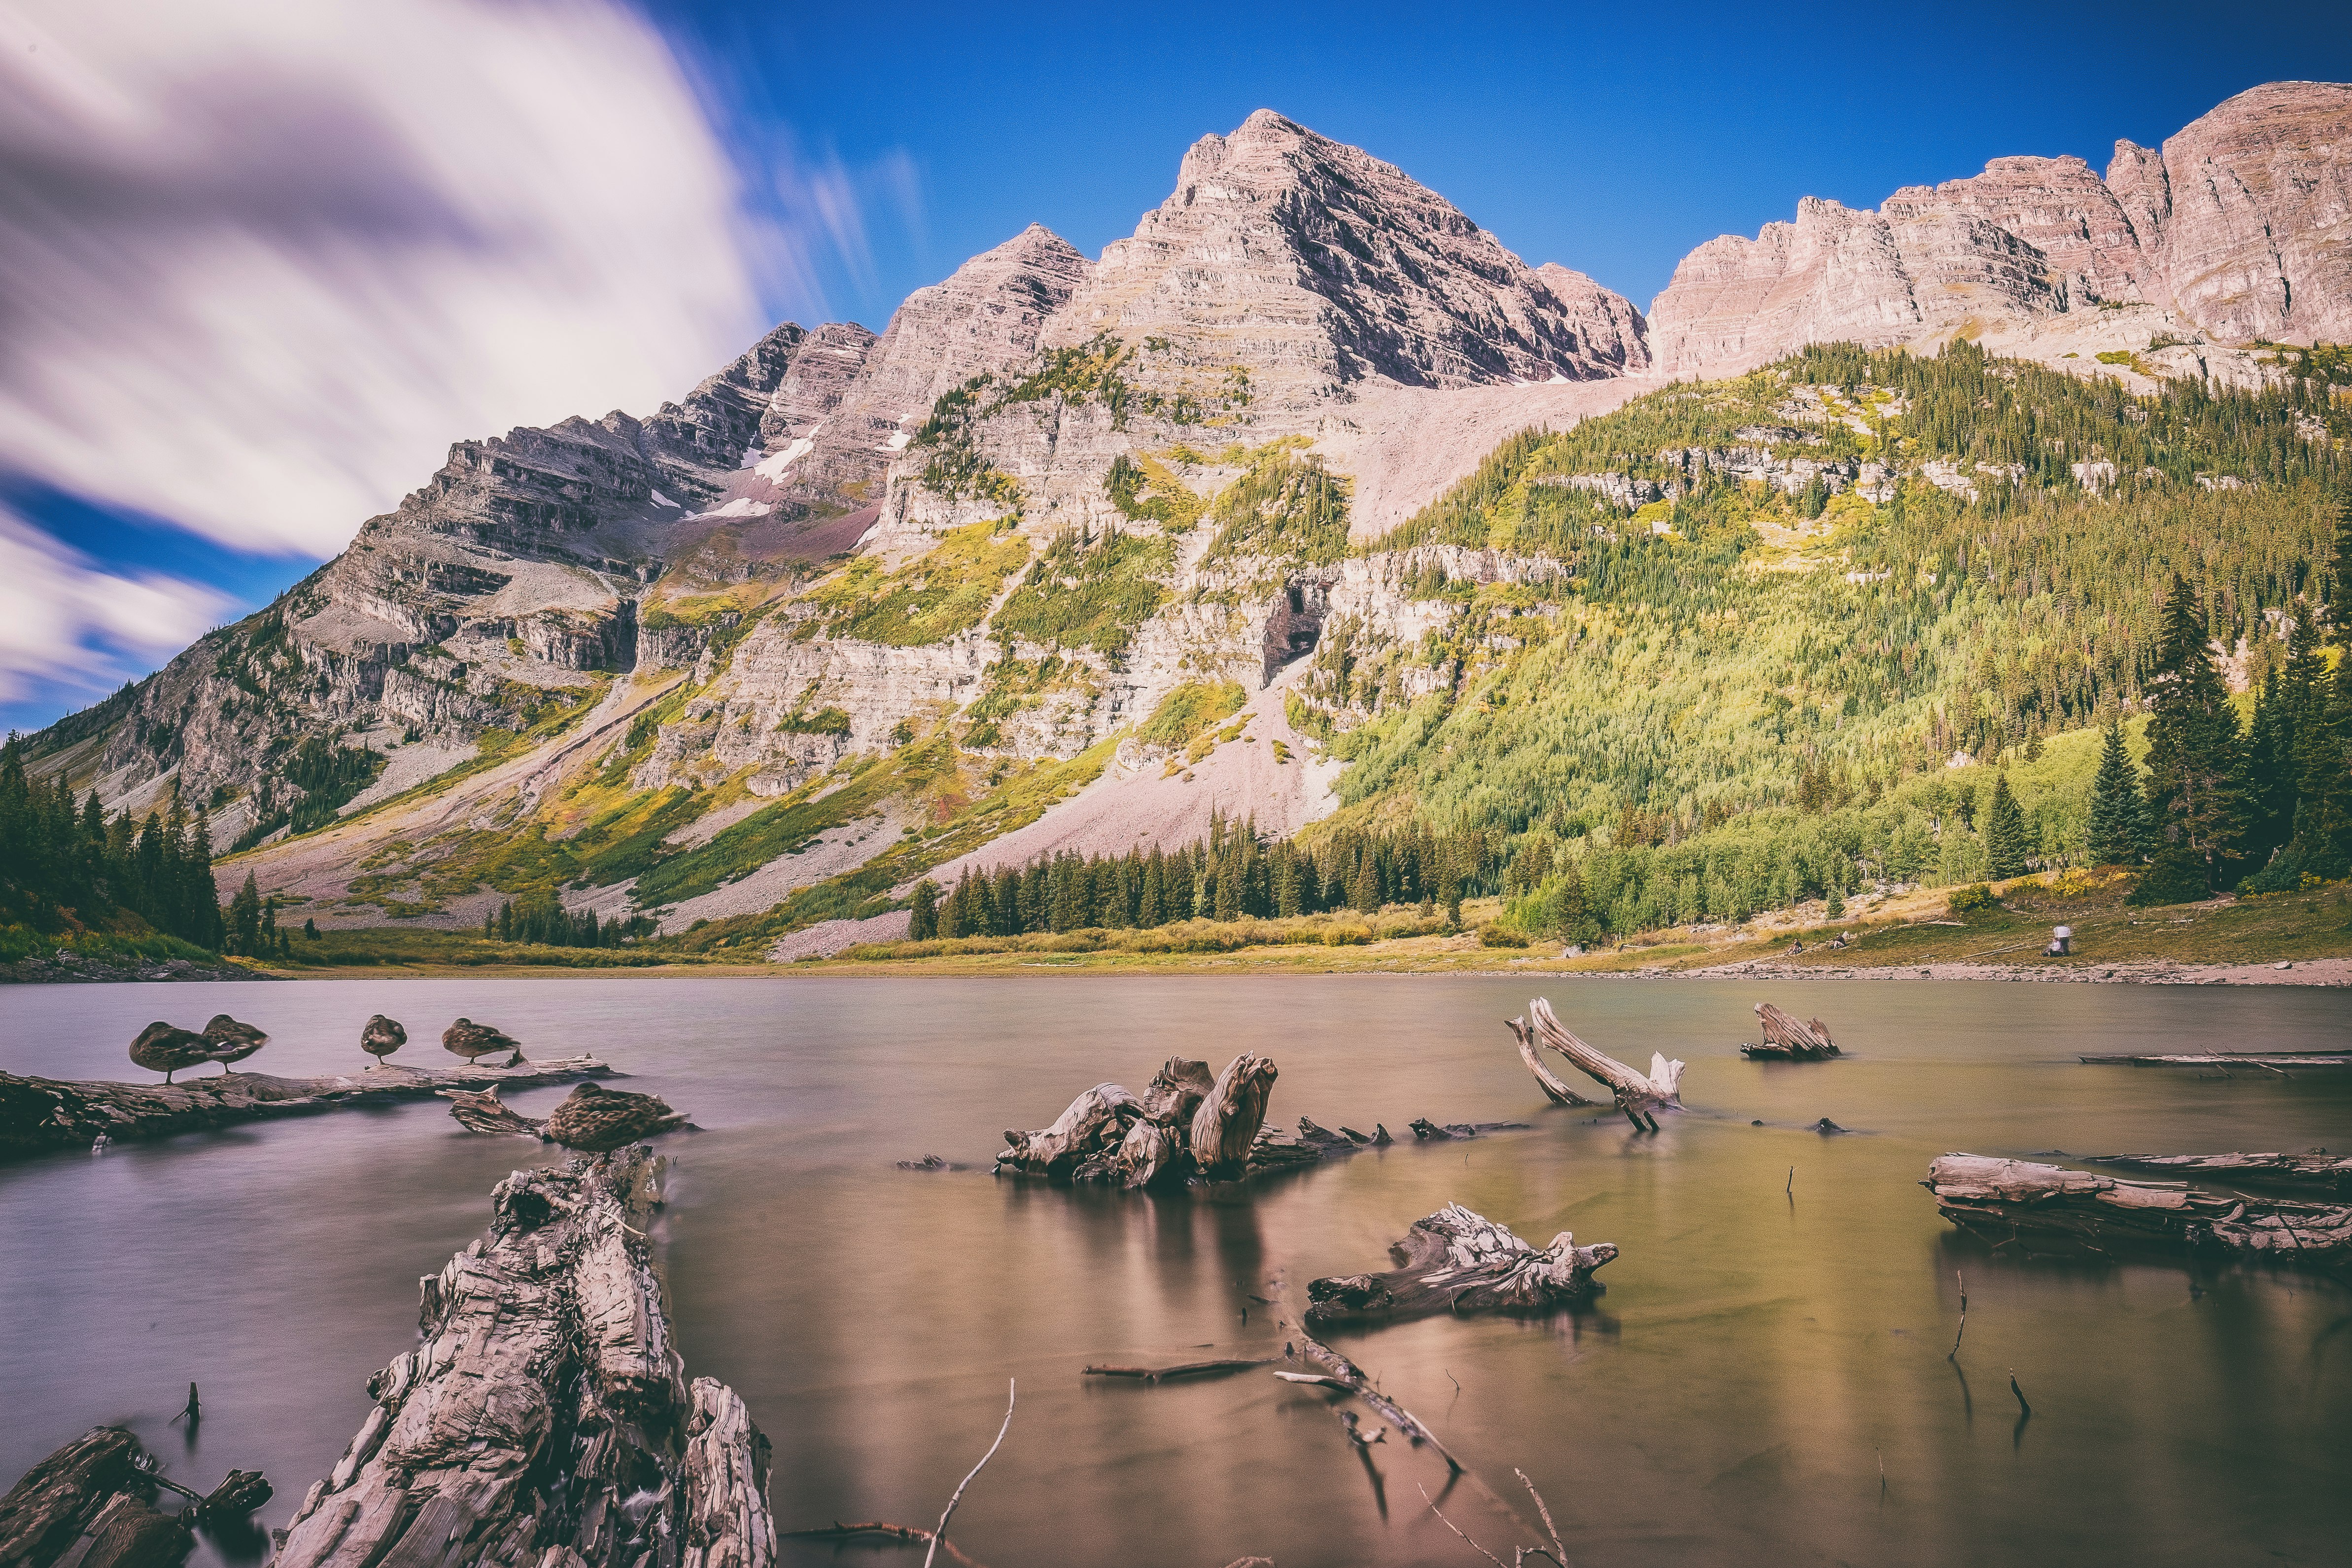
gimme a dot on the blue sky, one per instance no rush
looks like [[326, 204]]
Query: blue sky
[[607, 200]]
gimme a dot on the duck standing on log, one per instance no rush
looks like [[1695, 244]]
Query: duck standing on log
[[233, 1041], [167, 1048], [380, 1036], [594, 1120], [472, 1041]]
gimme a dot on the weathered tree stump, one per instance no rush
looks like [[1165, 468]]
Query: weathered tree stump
[[546, 1419], [1640, 1097], [92, 1504], [1187, 1126], [1786, 1040], [2048, 1208], [1458, 1261], [1230, 1114], [39, 1114]]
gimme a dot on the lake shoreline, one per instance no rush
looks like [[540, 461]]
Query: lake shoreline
[[2317, 974]]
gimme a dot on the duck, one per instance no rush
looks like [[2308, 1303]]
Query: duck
[[594, 1120], [471, 1040], [167, 1048], [381, 1037], [233, 1041]]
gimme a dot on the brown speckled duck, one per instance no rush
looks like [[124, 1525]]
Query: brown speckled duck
[[471, 1040], [594, 1119], [381, 1037], [233, 1041], [167, 1048]]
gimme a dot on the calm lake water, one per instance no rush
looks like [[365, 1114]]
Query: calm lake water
[[1760, 1354]]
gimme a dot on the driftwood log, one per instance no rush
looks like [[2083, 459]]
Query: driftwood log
[[1338, 1372], [2318, 1173], [1786, 1040], [1640, 1096], [2281, 1062], [1458, 1261], [2049, 1208], [1314, 1144], [545, 1419], [91, 1505], [1424, 1131], [37, 1114]]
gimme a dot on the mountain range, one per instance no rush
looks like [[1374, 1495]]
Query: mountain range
[[1071, 555]]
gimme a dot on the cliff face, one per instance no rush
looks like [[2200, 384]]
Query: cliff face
[[2240, 228]]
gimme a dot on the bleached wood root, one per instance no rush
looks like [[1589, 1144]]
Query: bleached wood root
[[2013, 1200], [1458, 1261], [37, 1114], [1785, 1039], [545, 1419], [1639, 1096], [1555, 1088], [2316, 1173]]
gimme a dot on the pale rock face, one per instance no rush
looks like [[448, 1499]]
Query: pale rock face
[[1315, 266], [2057, 207], [2258, 240], [2135, 175], [1610, 330], [985, 317], [2241, 227]]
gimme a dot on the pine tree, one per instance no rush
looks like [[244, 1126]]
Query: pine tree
[[923, 911], [2118, 832], [2196, 758], [244, 916], [2006, 844]]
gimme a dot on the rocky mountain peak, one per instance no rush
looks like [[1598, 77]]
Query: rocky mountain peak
[[1316, 266]]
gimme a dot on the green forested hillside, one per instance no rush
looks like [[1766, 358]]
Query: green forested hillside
[[1745, 694]]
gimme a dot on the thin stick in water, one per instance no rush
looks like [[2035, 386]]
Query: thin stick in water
[[1953, 1353], [1457, 1529], [1549, 1528], [1791, 1188], [2019, 1392], [1012, 1388]]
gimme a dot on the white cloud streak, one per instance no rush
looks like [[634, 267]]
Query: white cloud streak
[[64, 619], [262, 260]]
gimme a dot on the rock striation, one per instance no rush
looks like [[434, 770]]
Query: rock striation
[[2241, 226]]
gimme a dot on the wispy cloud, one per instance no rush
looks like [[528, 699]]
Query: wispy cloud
[[262, 260], [66, 621]]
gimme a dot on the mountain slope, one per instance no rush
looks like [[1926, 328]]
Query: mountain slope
[[1043, 561]]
